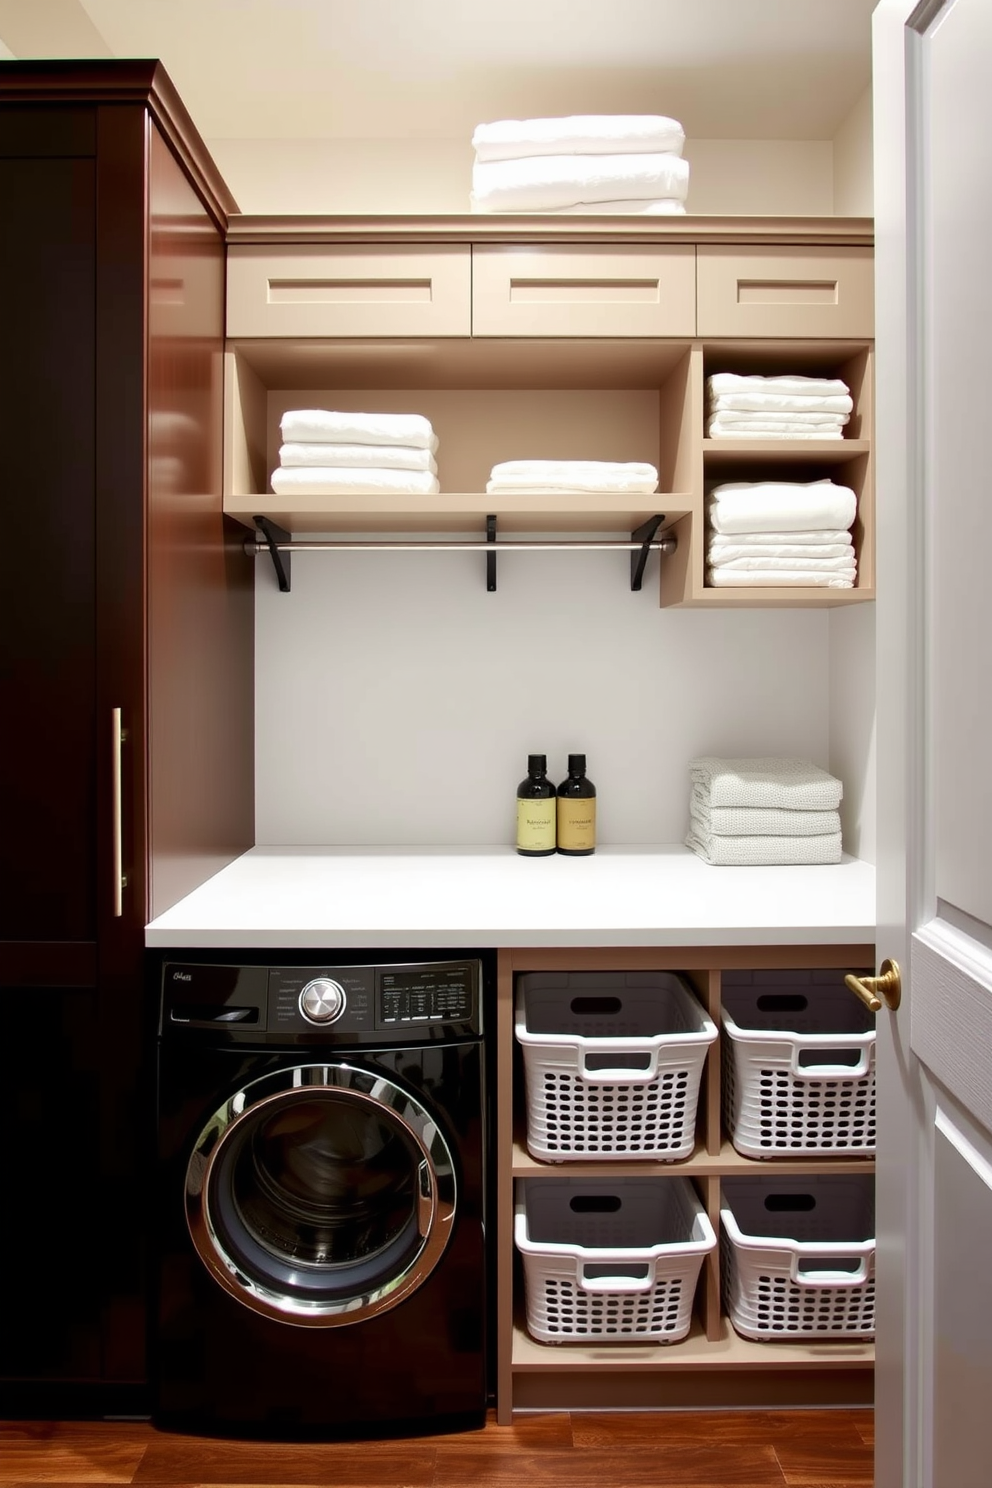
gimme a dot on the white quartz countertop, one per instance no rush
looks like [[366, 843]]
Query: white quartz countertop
[[454, 897]]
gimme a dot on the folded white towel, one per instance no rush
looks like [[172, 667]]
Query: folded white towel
[[716, 430], [663, 208], [781, 782], [572, 475], [791, 418], [382, 456], [734, 382], [809, 561], [813, 539], [545, 182], [757, 821], [722, 551], [328, 480], [794, 402], [578, 134], [780, 506], [320, 425], [722, 578], [765, 852]]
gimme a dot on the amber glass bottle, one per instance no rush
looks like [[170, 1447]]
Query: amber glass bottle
[[536, 810], [577, 810]]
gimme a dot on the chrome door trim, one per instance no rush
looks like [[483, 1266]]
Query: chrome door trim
[[435, 1201]]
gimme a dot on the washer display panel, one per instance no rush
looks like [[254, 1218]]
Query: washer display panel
[[321, 1194]]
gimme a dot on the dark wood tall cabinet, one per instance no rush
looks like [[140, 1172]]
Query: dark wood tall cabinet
[[127, 661]]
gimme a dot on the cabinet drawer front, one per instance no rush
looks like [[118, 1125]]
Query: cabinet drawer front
[[745, 291], [374, 291], [607, 291]]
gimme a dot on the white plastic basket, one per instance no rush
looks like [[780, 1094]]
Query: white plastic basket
[[798, 1256], [799, 1065], [610, 1260], [612, 1064]]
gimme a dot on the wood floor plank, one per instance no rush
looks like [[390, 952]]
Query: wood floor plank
[[247, 1464], [826, 1465], [740, 1427], [551, 1430], [71, 1452], [633, 1467]]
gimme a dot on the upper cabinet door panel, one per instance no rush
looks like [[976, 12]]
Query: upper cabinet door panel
[[607, 290], [758, 291], [379, 290]]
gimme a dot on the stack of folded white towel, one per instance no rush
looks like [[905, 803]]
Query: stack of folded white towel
[[757, 812], [776, 407], [543, 477], [781, 532], [327, 454], [582, 163]]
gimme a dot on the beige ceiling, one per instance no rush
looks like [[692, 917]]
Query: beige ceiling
[[386, 69]]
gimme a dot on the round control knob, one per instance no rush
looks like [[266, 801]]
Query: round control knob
[[322, 1001]]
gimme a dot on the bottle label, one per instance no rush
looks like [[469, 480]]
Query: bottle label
[[577, 823], [536, 824]]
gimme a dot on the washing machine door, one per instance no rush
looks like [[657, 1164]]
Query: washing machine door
[[321, 1195]]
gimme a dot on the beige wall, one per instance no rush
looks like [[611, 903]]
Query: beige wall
[[852, 153], [397, 176]]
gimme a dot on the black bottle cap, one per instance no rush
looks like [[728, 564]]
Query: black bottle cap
[[576, 764], [537, 764]]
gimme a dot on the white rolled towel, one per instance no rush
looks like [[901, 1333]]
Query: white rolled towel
[[813, 578], [780, 506], [777, 781], [546, 182], [573, 475], [734, 382], [383, 456], [765, 852], [336, 480], [578, 134], [758, 821], [320, 425]]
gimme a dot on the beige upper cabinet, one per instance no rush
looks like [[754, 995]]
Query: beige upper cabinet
[[752, 290], [579, 290], [362, 290]]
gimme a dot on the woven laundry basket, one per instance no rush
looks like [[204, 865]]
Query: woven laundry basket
[[610, 1260], [798, 1066], [612, 1063], [797, 1255]]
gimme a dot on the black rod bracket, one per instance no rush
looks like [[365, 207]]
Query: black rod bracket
[[644, 534], [281, 562], [491, 556]]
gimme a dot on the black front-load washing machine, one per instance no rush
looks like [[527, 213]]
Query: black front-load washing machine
[[320, 1194]]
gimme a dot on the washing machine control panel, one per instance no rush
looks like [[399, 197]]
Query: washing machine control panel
[[322, 1001]]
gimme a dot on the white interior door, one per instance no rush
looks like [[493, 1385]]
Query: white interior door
[[933, 181]]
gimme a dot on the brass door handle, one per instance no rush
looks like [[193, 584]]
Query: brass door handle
[[884, 990]]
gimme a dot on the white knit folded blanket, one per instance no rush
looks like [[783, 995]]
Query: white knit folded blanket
[[734, 382], [723, 551], [338, 480], [545, 182], [757, 821], [320, 425], [382, 456], [666, 207], [765, 852], [781, 782], [782, 506], [794, 402], [572, 475], [578, 134], [814, 578]]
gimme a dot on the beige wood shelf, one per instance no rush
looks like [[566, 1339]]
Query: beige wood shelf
[[701, 1164], [781, 451], [695, 1352]]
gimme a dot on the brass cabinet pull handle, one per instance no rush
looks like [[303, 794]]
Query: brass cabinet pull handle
[[117, 737], [884, 990]]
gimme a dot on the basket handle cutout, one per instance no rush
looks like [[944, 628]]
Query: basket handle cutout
[[596, 1006], [849, 1058], [818, 1064], [787, 1203], [830, 1271], [595, 1203], [614, 1277], [782, 1002], [618, 1061]]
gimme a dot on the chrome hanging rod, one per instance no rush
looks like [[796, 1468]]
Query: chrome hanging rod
[[665, 545]]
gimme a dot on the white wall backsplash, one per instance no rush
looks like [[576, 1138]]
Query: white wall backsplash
[[397, 700], [852, 723]]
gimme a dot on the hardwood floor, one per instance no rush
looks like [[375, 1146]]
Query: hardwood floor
[[678, 1449]]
